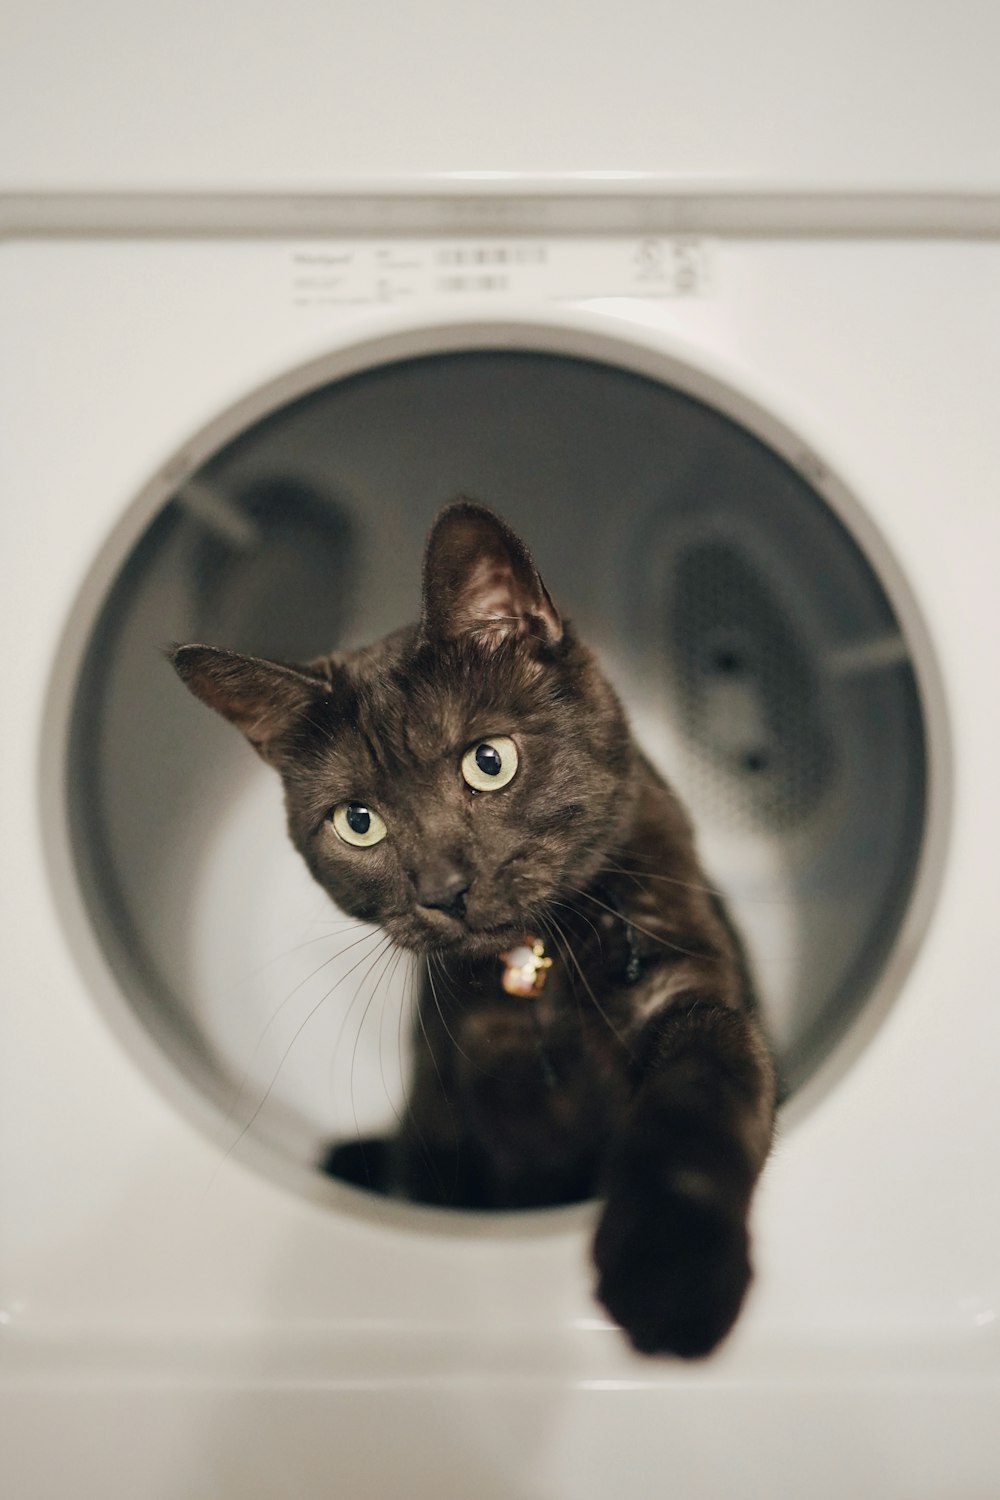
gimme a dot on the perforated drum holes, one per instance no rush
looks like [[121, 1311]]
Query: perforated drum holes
[[752, 708]]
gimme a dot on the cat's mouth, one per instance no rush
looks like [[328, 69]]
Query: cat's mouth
[[464, 941], [491, 941]]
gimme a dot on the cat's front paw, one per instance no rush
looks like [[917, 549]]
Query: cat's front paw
[[673, 1270]]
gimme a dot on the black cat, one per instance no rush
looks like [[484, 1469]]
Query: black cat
[[586, 1026]]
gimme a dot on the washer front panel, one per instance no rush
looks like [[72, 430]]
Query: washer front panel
[[873, 1219]]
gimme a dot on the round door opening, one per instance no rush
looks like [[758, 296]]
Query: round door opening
[[765, 671]]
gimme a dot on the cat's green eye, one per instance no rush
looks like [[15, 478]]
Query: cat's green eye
[[490, 764], [358, 824]]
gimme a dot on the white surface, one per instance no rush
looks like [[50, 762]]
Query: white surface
[[525, 1436], [307, 97]]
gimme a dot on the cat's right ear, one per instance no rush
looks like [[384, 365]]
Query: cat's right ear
[[480, 580], [262, 698]]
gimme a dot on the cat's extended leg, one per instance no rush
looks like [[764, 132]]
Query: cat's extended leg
[[672, 1246]]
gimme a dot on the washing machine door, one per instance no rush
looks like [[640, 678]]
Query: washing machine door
[[755, 647]]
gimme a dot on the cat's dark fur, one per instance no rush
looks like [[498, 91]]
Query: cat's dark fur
[[639, 1072]]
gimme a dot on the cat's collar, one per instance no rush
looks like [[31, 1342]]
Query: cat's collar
[[526, 967]]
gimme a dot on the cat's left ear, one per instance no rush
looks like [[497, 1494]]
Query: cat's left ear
[[479, 579]]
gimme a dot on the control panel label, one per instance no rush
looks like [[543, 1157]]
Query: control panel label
[[369, 272]]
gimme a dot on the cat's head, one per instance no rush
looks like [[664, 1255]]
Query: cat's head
[[451, 781]]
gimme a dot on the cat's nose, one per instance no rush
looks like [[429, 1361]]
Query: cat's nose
[[443, 887]]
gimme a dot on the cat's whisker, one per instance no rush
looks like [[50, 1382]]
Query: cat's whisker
[[234, 1106], [384, 949], [640, 877], [653, 936], [566, 906], [430, 1051], [445, 979], [390, 979], [406, 1008], [371, 959], [444, 1095], [387, 954], [281, 1063], [244, 979], [334, 929], [548, 924], [568, 949], [408, 1121], [440, 1012]]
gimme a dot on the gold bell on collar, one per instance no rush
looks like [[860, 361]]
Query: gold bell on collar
[[525, 968]]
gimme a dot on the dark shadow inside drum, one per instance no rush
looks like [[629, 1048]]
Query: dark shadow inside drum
[[751, 640]]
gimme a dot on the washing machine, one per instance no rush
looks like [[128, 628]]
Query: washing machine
[[723, 343]]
